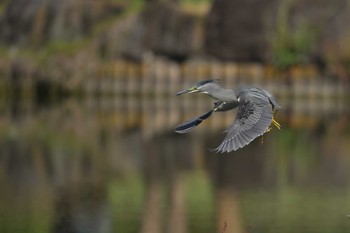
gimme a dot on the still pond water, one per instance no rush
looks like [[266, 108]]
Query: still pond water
[[113, 164]]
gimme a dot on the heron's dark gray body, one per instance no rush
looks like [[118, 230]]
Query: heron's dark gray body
[[256, 108]]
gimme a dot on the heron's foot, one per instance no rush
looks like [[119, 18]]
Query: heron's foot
[[278, 125]]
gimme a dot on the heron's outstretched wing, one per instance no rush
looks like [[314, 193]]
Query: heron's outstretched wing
[[189, 125], [253, 119]]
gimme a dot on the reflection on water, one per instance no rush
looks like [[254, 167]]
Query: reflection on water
[[114, 165]]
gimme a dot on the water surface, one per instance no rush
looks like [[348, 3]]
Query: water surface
[[113, 164]]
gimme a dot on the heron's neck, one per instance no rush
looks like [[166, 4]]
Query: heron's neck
[[227, 95]]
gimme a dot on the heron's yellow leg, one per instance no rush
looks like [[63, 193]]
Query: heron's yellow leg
[[278, 125]]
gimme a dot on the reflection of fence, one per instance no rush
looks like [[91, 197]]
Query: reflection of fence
[[146, 91], [142, 95]]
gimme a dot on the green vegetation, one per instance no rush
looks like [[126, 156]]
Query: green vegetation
[[290, 47], [136, 5], [25, 216], [295, 210], [127, 201], [200, 203], [3, 5]]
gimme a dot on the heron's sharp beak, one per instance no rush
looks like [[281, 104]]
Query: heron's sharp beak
[[191, 90]]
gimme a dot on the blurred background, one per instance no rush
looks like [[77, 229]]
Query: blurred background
[[87, 112]]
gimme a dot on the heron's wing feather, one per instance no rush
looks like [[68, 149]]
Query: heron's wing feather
[[253, 119], [276, 106], [189, 125]]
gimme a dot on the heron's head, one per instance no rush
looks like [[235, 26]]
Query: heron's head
[[205, 87]]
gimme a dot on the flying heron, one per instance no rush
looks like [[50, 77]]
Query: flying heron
[[256, 110]]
